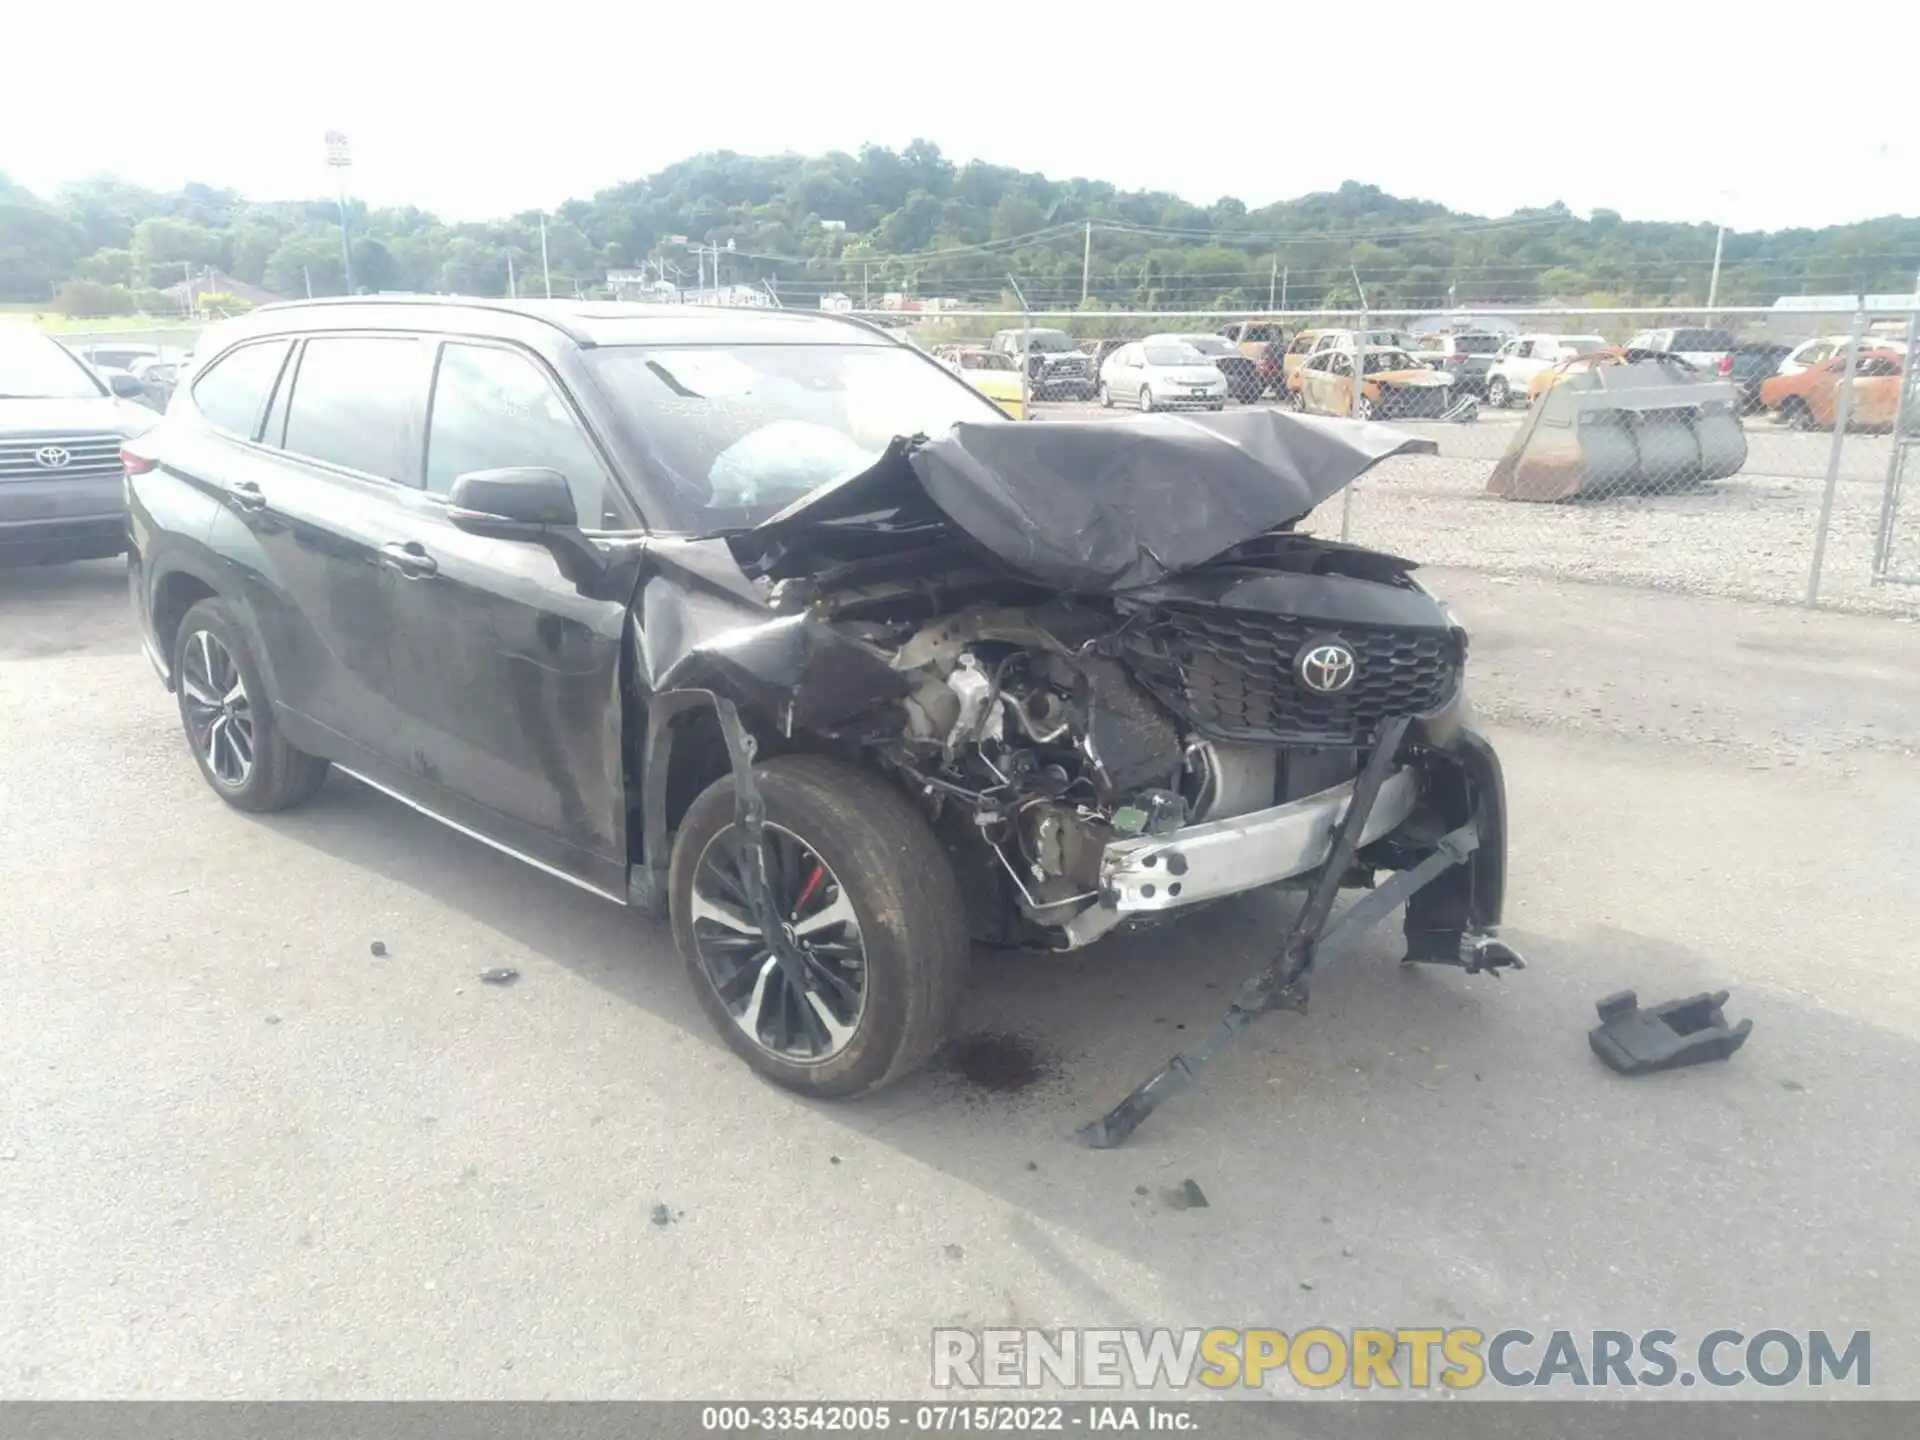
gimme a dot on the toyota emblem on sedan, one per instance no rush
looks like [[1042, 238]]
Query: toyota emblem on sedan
[[52, 457], [1325, 666]]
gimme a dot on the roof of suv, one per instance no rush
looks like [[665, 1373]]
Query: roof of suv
[[585, 322]]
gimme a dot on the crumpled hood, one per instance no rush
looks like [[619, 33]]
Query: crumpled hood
[[1096, 506]]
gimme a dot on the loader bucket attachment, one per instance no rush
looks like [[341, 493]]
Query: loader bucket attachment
[[1623, 429]]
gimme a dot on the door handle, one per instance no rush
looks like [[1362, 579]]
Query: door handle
[[408, 558], [247, 495]]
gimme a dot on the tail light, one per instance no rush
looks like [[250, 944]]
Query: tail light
[[135, 464], [1725, 367]]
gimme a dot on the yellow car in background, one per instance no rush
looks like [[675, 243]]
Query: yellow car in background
[[994, 375]]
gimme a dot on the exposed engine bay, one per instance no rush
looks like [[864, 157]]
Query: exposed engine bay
[[1083, 710]]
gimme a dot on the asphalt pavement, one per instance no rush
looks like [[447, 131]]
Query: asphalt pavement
[[241, 1155]]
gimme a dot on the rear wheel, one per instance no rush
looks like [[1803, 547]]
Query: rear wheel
[[1106, 396], [229, 722], [1365, 409], [1797, 413], [1499, 395], [1146, 398], [868, 900]]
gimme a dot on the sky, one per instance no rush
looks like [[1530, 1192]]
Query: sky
[[486, 111]]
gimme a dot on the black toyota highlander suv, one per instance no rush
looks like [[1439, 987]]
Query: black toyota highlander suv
[[767, 621]]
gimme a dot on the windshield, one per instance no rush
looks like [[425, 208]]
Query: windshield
[[1051, 341], [1381, 361], [33, 367], [1582, 344], [1208, 344], [1175, 354], [986, 360], [744, 431]]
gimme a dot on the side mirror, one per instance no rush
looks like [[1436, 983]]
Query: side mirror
[[527, 503], [126, 386]]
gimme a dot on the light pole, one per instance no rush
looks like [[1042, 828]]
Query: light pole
[[340, 158], [1719, 243]]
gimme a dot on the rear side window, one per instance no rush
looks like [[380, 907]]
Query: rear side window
[[492, 409], [1261, 334], [1703, 340], [232, 392], [353, 398]]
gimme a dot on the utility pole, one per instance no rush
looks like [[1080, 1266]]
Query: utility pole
[[1283, 288], [512, 292], [545, 273], [1086, 263], [1713, 284], [1273, 277], [863, 285], [340, 157], [306, 273]]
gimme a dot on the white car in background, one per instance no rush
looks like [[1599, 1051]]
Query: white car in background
[[1162, 373], [1525, 356]]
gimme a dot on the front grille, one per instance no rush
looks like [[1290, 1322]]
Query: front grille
[[1413, 402], [89, 457], [1232, 674], [1066, 367]]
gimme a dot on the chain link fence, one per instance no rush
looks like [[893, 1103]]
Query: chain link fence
[[1745, 453], [1738, 453]]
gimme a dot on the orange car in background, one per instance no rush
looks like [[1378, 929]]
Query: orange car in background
[[1811, 399]]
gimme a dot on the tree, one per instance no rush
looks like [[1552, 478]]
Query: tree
[[90, 300]]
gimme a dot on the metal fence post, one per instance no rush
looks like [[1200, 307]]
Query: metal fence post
[[1903, 423], [1842, 413], [1359, 394]]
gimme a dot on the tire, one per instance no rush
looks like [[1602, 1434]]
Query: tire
[[910, 923], [1220, 406], [210, 655], [1365, 410], [1106, 396], [1797, 413], [1499, 393], [1145, 398]]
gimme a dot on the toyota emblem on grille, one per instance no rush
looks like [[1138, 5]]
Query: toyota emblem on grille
[[52, 457], [1325, 667]]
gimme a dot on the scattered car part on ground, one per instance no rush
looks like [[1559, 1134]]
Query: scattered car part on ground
[[1693, 1031], [62, 493], [882, 674], [1628, 428], [1162, 372]]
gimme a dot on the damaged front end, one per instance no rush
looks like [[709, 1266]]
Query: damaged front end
[[1120, 684]]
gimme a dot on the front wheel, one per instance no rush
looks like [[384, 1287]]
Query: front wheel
[[1499, 394], [229, 721], [1797, 414], [1106, 396], [1364, 411], [872, 917], [1145, 398]]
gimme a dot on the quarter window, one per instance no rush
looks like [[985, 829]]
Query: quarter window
[[494, 409], [232, 392], [352, 400]]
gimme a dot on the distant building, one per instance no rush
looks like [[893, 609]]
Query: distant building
[[186, 293]]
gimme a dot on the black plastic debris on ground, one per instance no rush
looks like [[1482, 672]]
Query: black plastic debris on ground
[[1664, 1037], [1187, 1195], [998, 1063], [499, 975], [379, 949], [660, 1215]]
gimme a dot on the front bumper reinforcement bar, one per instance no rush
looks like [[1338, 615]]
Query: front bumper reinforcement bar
[[1283, 984]]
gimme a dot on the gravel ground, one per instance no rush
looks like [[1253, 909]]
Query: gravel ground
[[1750, 536], [244, 1156]]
